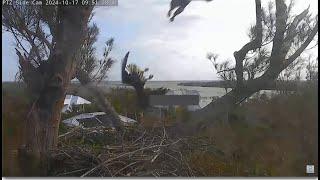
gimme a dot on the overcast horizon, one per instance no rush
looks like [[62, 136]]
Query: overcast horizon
[[172, 51]]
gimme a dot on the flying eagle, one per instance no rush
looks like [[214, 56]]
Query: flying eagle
[[180, 5]]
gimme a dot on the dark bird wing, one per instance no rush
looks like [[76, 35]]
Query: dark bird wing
[[124, 74], [180, 4]]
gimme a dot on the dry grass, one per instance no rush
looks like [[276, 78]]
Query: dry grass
[[14, 107], [271, 137], [264, 137], [138, 153]]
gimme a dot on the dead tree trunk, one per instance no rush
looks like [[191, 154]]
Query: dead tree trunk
[[49, 83], [41, 137], [282, 41], [220, 107]]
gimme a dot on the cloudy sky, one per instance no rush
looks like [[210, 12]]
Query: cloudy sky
[[172, 51]]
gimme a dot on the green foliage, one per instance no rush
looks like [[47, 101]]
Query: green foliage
[[125, 100], [136, 71], [182, 114], [14, 110], [270, 137]]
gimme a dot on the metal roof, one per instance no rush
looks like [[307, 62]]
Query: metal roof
[[74, 121], [182, 92], [71, 99]]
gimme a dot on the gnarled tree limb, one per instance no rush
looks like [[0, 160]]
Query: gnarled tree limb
[[252, 45]]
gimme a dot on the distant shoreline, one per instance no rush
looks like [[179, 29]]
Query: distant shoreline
[[278, 85]]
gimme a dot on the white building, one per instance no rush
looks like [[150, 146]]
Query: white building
[[186, 92], [73, 100], [95, 119]]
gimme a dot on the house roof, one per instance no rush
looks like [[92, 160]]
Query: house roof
[[182, 92], [100, 117], [182, 97], [71, 99]]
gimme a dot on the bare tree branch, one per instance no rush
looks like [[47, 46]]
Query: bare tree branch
[[254, 44], [292, 30], [297, 53], [224, 70]]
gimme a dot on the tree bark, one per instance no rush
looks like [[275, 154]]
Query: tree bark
[[141, 96], [220, 108], [278, 62], [41, 137], [48, 83]]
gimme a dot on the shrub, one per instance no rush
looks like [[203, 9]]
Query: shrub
[[274, 137]]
